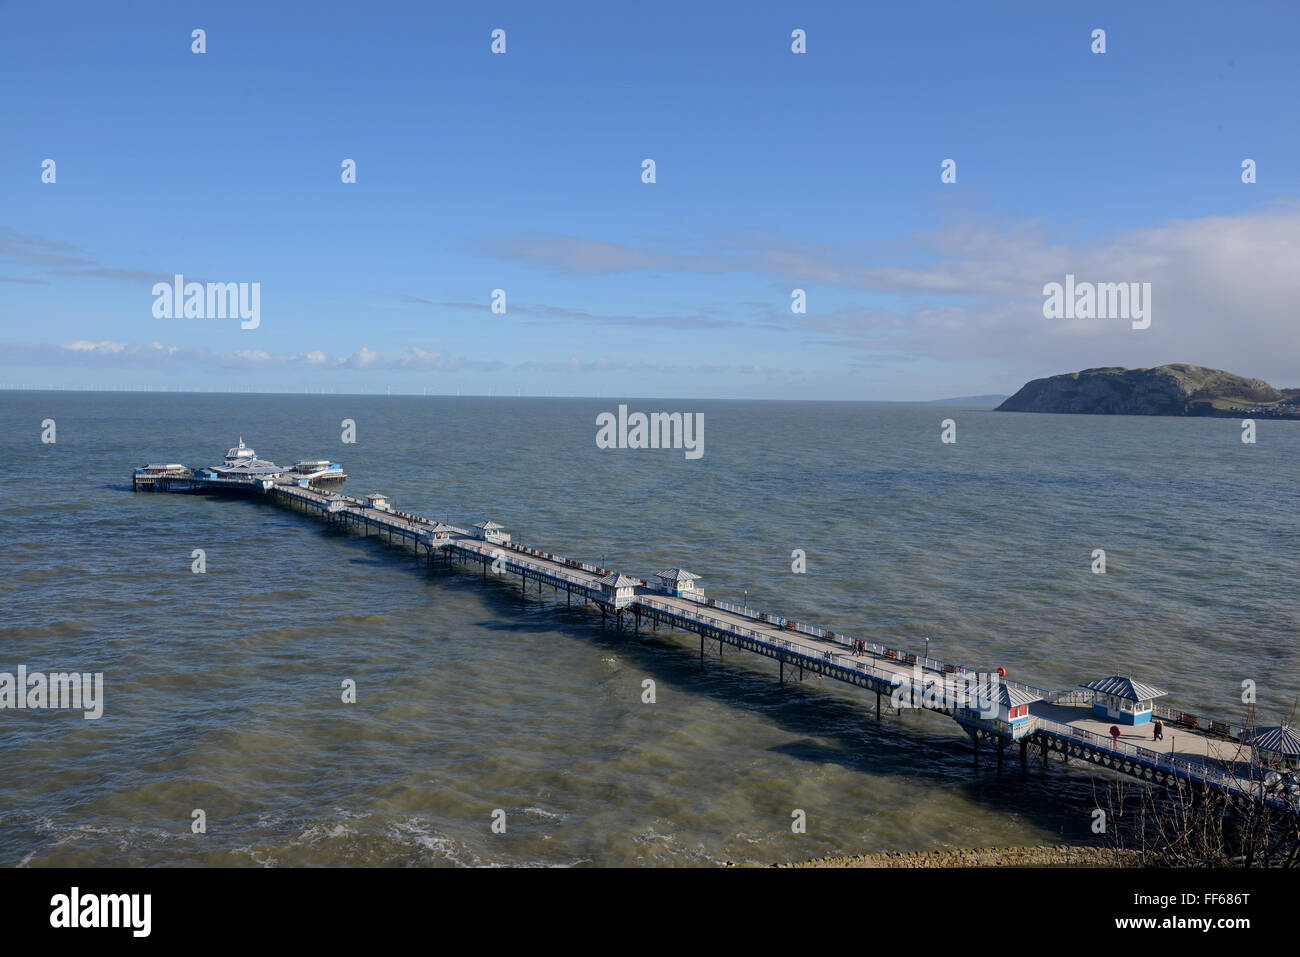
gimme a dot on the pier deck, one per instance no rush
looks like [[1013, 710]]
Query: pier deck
[[1061, 722]]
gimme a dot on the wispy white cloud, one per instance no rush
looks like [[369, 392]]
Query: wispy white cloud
[[411, 359], [57, 258], [533, 313], [1224, 290], [1224, 293]]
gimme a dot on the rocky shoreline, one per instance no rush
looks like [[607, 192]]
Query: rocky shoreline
[[1061, 855]]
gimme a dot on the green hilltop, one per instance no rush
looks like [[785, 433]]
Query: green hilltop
[[1176, 389]]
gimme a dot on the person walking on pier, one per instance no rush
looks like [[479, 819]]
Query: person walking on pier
[[1157, 731]]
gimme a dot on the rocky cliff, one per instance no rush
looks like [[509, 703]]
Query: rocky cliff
[[1164, 390]]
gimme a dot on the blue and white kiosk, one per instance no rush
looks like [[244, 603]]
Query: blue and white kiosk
[[1280, 742], [490, 531], [678, 581], [437, 536], [619, 589], [1012, 703], [1123, 700]]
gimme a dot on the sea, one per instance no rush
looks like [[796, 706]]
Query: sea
[[496, 728]]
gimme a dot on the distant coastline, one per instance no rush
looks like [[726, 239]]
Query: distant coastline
[[1172, 390], [970, 400]]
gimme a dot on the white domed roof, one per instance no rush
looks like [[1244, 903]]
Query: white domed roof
[[241, 451]]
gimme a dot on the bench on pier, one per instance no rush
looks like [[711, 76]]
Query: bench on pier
[[1187, 720]]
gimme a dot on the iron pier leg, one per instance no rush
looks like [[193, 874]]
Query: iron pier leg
[[1044, 750], [701, 646], [782, 672], [1002, 745], [1024, 751], [877, 705]]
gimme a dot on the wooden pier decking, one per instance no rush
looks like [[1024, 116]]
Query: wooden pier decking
[[1209, 753]]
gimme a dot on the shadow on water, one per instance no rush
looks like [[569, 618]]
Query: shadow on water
[[927, 748]]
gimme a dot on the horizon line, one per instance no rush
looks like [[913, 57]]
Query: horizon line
[[975, 399]]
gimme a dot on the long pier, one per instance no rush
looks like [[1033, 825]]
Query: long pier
[[1210, 753]]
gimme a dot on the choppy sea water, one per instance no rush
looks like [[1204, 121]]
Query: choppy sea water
[[222, 690]]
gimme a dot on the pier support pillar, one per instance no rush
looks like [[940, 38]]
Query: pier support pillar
[[701, 646], [782, 672], [1044, 750], [877, 705], [1002, 746], [1024, 754]]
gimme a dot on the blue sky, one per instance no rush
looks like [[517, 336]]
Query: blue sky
[[522, 172]]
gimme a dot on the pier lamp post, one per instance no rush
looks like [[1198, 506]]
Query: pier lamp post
[[927, 647]]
